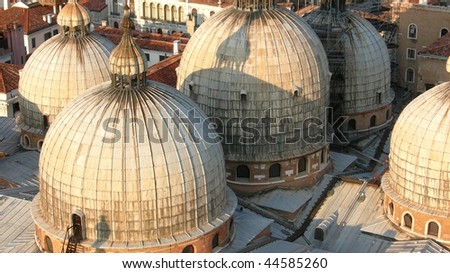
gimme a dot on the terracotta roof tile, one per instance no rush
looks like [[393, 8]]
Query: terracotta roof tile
[[145, 40], [30, 19], [440, 47], [165, 71], [94, 5], [9, 77]]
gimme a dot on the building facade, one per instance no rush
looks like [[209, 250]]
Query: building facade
[[419, 26]]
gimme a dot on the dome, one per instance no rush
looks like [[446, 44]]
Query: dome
[[140, 163], [419, 158], [73, 15], [261, 64], [358, 59], [59, 70]]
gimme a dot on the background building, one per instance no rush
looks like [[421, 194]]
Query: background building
[[9, 80], [419, 27]]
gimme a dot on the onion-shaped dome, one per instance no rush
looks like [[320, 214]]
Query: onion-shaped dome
[[358, 58], [419, 158], [73, 15], [126, 58], [60, 69], [139, 161], [262, 63]]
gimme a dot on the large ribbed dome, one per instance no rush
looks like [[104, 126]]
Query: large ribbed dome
[[141, 164], [358, 59], [59, 70], [419, 159], [261, 63]]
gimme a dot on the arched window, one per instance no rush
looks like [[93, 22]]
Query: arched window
[[194, 12], [211, 13], [167, 13], [388, 114], [243, 171], [243, 97], [412, 31], [275, 170], [181, 18], [391, 209], [407, 220], [39, 144], [443, 32], [188, 249], [48, 244], [26, 141], [215, 241], [174, 14], [373, 121], [116, 25], [77, 225], [154, 11], [301, 165], [144, 9], [160, 9], [351, 125], [410, 77], [433, 229]]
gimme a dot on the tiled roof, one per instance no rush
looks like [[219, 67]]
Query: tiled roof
[[30, 19], [164, 71], [145, 40], [306, 10], [9, 77], [94, 5], [440, 47]]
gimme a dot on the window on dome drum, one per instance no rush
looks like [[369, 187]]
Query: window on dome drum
[[407, 220], [443, 32], [373, 121], [45, 122], [433, 229], [215, 241], [48, 244], [391, 209], [410, 75], [412, 31], [411, 53], [77, 227], [322, 156], [301, 165], [275, 170], [243, 97], [26, 141], [243, 171], [388, 114], [351, 125], [188, 249]]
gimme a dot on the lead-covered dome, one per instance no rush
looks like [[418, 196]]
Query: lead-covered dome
[[139, 163], [59, 70], [358, 58], [417, 185], [263, 64], [419, 158]]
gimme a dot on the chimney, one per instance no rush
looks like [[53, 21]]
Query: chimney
[[49, 18], [5, 4], [104, 23], [54, 10], [176, 47]]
